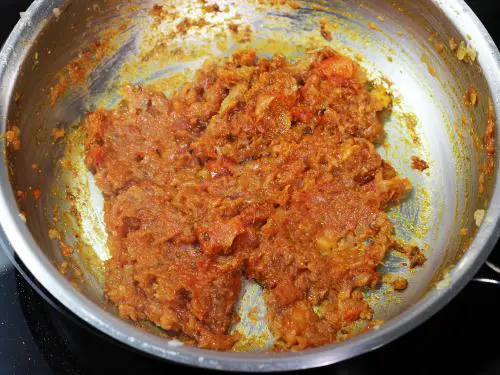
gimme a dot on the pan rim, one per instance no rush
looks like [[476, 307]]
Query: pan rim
[[20, 240]]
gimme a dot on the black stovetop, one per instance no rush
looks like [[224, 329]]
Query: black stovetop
[[37, 336]]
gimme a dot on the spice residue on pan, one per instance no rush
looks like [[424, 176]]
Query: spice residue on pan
[[80, 212], [479, 217], [488, 166], [13, 139], [58, 134], [471, 97], [373, 26], [78, 70], [325, 29], [419, 164], [414, 254], [453, 44], [466, 53], [292, 4], [430, 68], [247, 172], [68, 266], [398, 282]]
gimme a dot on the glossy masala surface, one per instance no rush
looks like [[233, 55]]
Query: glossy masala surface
[[261, 169]]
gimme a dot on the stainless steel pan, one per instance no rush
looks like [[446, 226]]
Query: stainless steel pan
[[405, 44]]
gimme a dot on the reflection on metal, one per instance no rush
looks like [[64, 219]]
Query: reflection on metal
[[488, 281], [490, 274], [493, 267]]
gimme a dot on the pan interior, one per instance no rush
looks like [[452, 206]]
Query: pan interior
[[402, 44]]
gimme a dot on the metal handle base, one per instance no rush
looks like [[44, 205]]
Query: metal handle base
[[489, 274]]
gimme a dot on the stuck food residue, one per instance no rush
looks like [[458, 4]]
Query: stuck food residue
[[471, 97], [12, 137], [260, 169], [479, 217], [324, 29], [419, 164], [77, 70], [397, 282], [488, 166], [466, 53]]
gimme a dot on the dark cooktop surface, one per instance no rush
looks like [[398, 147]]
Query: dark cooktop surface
[[37, 336]]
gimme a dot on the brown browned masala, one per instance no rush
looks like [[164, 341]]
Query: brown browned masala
[[260, 169]]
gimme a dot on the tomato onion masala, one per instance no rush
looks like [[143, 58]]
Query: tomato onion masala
[[261, 169]]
